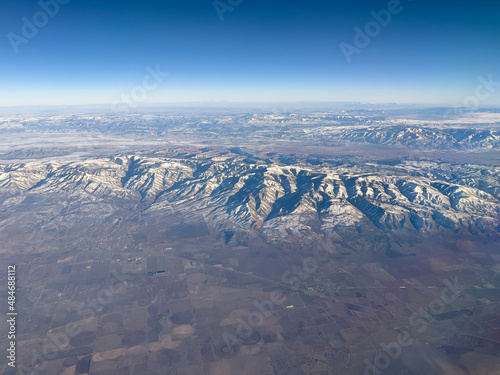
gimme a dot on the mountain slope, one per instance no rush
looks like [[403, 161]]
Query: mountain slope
[[279, 201]]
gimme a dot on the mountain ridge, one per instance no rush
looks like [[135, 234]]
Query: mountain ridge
[[277, 201]]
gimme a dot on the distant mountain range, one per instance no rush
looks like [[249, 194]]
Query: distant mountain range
[[474, 131]]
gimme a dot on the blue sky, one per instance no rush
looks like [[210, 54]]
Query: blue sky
[[95, 51]]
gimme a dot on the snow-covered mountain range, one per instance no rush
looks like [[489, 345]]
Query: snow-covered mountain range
[[239, 197]]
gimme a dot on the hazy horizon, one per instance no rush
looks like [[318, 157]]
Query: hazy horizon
[[96, 53]]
